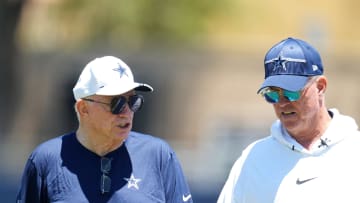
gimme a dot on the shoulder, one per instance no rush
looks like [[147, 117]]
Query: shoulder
[[263, 145], [147, 144], [257, 150], [150, 140], [49, 148]]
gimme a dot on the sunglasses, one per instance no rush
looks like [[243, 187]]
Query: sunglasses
[[117, 104], [105, 184], [272, 95]]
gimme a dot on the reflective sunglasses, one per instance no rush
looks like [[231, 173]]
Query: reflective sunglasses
[[105, 183], [272, 95], [117, 104]]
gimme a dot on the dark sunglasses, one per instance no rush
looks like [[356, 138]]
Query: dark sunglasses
[[105, 184], [272, 95], [117, 104]]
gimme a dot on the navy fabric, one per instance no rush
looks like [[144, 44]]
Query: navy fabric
[[293, 57], [289, 63], [144, 169]]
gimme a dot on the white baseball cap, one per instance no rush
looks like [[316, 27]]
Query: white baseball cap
[[107, 75]]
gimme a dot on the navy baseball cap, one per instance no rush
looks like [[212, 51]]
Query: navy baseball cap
[[289, 64]]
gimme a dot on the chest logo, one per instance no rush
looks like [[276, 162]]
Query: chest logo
[[133, 182], [186, 198], [299, 182]]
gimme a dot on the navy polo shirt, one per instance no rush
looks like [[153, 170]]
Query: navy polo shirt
[[143, 169]]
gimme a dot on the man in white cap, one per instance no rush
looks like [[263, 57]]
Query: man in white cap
[[104, 161], [312, 152]]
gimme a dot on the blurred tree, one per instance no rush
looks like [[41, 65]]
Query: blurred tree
[[10, 11], [137, 22]]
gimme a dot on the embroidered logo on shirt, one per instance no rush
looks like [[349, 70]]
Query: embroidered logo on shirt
[[186, 198], [299, 182], [133, 182]]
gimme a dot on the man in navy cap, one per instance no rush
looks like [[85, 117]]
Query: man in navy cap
[[312, 152]]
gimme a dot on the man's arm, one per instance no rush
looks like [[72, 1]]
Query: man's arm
[[33, 186], [176, 186]]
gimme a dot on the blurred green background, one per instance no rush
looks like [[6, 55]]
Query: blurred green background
[[204, 59]]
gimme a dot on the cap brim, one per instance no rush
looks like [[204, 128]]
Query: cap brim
[[121, 89], [144, 87], [288, 82]]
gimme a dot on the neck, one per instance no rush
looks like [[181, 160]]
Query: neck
[[311, 135], [95, 143]]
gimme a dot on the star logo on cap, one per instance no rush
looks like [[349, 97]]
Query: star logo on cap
[[279, 63], [121, 70], [133, 182]]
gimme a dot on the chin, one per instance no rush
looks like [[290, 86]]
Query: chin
[[121, 136], [290, 126]]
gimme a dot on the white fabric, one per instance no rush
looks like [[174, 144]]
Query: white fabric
[[107, 75], [269, 168]]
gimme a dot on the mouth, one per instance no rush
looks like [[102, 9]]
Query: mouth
[[287, 113], [124, 125]]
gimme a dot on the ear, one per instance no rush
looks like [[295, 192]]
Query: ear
[[321, 84], [81, 107]]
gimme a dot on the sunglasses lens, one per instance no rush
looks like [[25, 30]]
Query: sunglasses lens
[[118, 105], [272, 96], [291, 96], [135, 102]]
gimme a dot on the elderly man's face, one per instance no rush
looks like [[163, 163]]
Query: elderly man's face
[[106, 124]]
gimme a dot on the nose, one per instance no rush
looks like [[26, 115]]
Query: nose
[[283, 101], [126, 109]]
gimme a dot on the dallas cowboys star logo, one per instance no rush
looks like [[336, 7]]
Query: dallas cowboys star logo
[[121, 70], [133, 182], [279, 63]]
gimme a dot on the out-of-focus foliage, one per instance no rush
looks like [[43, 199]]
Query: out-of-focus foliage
[[137, 21]]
